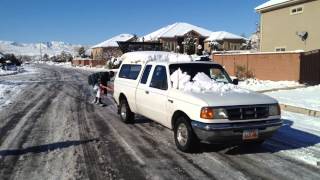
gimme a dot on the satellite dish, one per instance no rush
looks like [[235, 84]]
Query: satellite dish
[[303, 35]]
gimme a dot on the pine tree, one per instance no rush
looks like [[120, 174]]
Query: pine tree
[[45, 57], [82, 52], [189, 44]]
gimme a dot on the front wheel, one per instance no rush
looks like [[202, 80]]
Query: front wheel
[[126, 114], [184, 136]]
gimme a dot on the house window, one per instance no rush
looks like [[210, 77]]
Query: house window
[[296, 10], [280, 49]]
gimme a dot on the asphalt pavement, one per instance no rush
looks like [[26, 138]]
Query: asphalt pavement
[[52, 131]]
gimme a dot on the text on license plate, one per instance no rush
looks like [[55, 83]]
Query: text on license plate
[[250, 134]]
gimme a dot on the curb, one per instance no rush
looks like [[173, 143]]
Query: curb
[[278, 89], [300, 110]]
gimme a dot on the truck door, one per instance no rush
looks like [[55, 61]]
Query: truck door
[[157, 93], [142, 92]]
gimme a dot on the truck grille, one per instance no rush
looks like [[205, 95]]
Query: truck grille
[[248, 112]]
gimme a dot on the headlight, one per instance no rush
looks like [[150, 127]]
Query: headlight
[[212, 113], [274, 110]]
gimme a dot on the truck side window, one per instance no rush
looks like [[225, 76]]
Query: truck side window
[[145, 74], [129, 71], [159, 78]]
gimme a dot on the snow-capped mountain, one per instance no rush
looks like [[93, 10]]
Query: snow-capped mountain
[[33, 49]]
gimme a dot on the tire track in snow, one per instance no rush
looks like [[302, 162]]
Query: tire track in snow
[[90, 155], [116, 162], [7, 165], [18, 110], [174, 164]]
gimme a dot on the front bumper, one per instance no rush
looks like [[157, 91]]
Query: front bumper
[[232, 132]]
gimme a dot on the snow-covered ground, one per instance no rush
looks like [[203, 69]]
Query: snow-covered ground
[[262, 85], [302, 96], [5, 73], [308, 97], [8, 92], [69, 65], [301, 128], [9, 89]]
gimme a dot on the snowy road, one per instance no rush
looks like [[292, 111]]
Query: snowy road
[[50, 131]]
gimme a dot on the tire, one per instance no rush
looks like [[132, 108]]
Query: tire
[[184, 137], [126, 115]]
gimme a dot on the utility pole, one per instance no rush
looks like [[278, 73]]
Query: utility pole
[[40, 53]]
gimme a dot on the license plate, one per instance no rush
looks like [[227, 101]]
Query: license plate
[[250, 134]]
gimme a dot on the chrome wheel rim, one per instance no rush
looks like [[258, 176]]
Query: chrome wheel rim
[[123, 111], [182, 134]]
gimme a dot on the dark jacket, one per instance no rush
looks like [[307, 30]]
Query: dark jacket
[[94, 78]]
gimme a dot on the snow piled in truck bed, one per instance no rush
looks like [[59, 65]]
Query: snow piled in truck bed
[[201, 83]]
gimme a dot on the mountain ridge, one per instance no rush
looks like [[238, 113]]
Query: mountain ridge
[[33, 49]]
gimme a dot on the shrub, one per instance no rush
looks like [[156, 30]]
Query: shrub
[[243, 73]]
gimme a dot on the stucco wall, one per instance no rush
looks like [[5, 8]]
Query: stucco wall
[[284, 66], [279, 28], [301, 67]]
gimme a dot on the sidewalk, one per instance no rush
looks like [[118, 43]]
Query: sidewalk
[[291, 108]]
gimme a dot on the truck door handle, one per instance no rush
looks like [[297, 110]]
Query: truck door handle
[[170, 100], [147, 92]]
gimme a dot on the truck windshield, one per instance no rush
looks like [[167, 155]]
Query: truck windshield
[[214, 71]]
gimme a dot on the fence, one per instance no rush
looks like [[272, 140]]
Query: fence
[[310, 67], [88, 62]]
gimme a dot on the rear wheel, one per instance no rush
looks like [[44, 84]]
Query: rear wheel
[[126, 114], [184, 136]]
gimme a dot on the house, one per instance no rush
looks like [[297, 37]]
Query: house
[[222, 40], [289, 25], [110, 48], [179, 37]]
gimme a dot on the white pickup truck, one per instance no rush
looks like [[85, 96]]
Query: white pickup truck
[[170, 89]]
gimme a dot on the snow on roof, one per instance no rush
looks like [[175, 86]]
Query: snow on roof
[[146, 56], [271, 3], [112, 42], [176, 29], [88, 52], [221, 35]]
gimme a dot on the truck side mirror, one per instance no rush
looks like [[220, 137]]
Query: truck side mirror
[[235, 81]]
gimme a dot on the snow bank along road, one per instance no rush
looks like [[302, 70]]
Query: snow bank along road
[[50, 131]]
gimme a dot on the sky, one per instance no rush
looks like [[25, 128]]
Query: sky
[[89, 22]]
